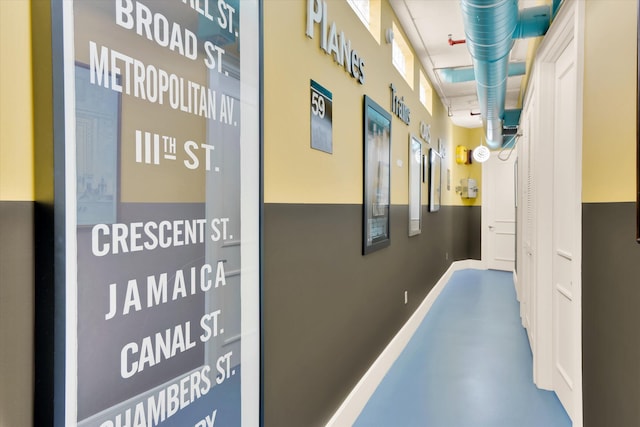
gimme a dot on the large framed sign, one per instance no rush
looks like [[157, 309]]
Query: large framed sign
[[415, 186], [161, 140], [377, 177]]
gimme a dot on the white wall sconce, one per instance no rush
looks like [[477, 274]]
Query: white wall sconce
[[388, 35]]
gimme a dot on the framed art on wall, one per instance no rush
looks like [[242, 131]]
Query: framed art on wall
[[377, 159], [415, 185], [127, 324], [435, 167]]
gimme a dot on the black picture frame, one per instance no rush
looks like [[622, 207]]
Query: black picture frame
[[71, 368], [376, 178], [415, 166], [435, 180]]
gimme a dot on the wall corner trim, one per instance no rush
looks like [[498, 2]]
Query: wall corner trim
[[355, 402]]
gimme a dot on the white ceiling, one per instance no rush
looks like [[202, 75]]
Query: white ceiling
[[428, 24]]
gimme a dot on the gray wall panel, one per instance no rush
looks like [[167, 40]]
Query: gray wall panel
[[475, 232], [16, 313], [328, 310], [466, 232], [610, 315]]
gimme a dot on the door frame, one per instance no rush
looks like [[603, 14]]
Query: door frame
[[485, 234]]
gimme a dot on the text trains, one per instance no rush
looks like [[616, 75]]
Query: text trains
[[122, 73]]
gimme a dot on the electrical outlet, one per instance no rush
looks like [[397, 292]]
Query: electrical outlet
[[446, 256], [406, 297]]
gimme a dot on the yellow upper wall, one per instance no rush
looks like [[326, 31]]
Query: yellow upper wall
[[16, 111], [609, 115], [469, 138], [295, 173], [609, 129]]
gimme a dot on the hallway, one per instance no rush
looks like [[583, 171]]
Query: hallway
[[468, 365]]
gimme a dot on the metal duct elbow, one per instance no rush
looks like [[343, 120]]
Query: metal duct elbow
[[533, 22]]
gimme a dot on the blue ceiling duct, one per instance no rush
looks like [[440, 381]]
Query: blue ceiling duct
[[466, 74], [490, 27]]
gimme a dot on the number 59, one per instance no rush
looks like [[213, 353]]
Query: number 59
[[317, 105]]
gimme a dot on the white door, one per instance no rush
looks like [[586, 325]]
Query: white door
[[566, 230], [499, 211]]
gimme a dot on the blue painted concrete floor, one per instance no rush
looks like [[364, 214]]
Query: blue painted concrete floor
[[468, 364]]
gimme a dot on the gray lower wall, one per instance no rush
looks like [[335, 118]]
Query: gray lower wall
[[610, 315], [466, 224], [329, 311], [16, 314]]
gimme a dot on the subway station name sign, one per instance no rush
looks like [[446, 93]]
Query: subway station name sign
[[160, 321]]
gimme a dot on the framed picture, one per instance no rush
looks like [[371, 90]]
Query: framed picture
[[435, 176], [415, 186], [104, 355], [441, 148], [425, 168], [377, 178]]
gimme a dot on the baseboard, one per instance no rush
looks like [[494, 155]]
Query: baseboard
[[474, 264], [350, 409]]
